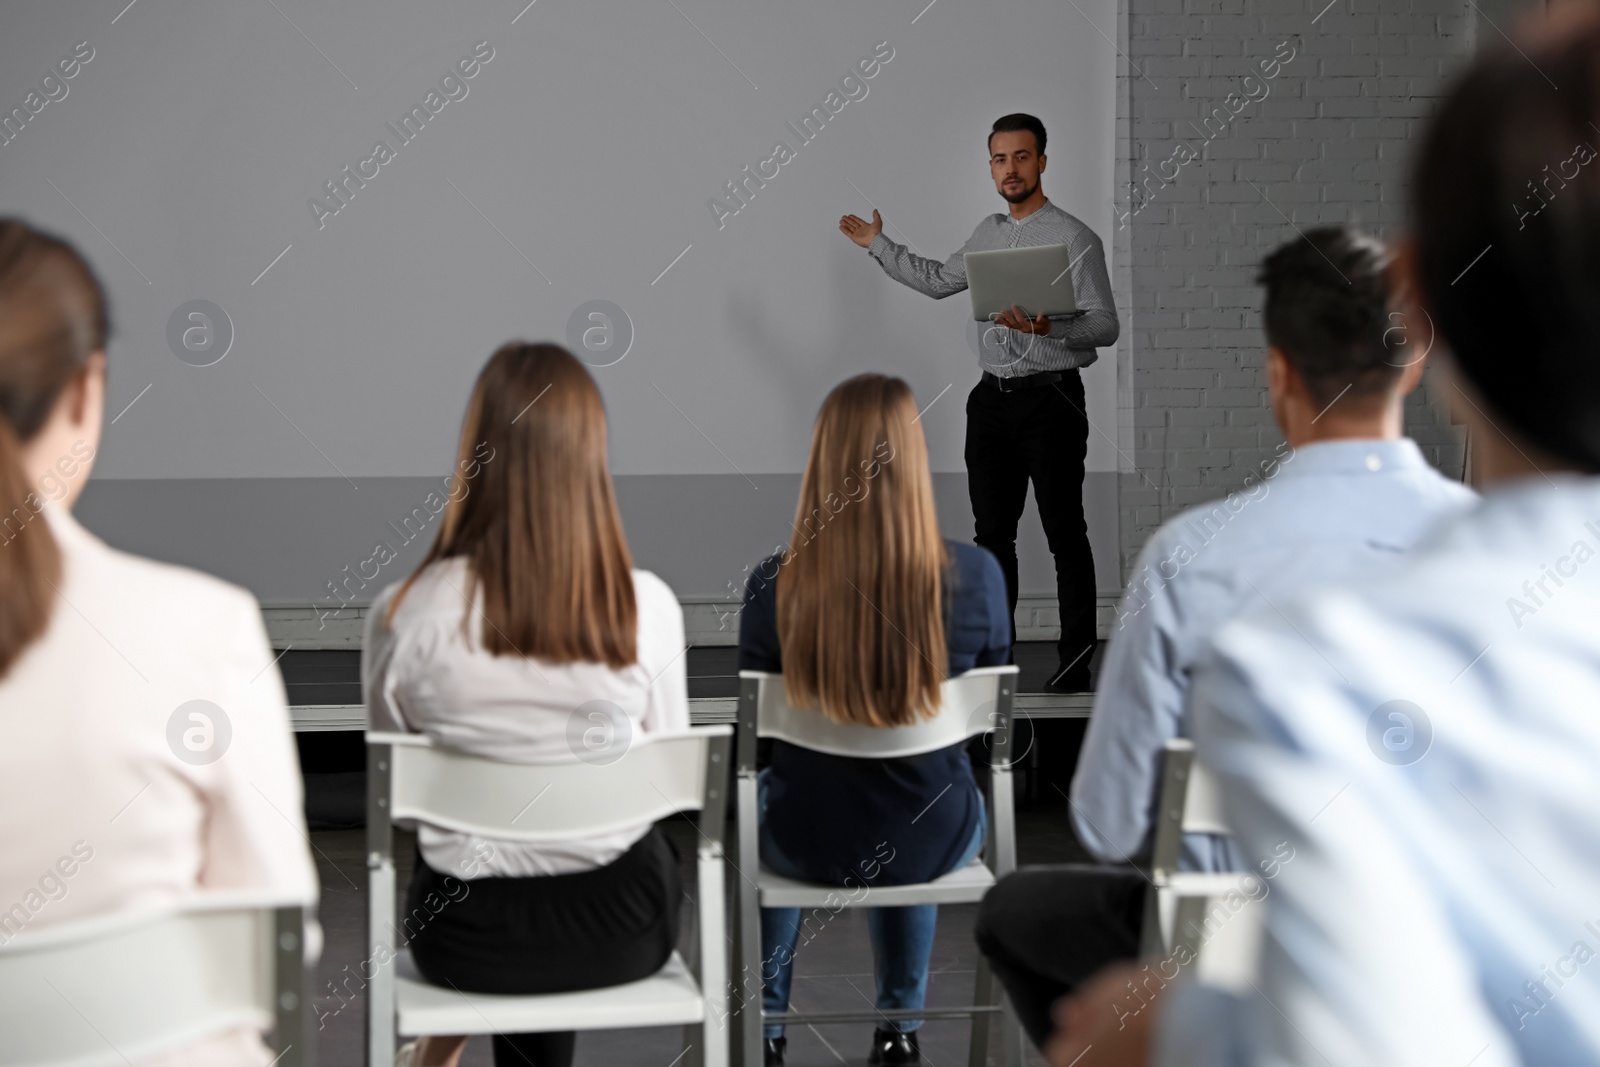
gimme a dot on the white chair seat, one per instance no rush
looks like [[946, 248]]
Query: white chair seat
[[669, 997], [964, 886], [1209, 883]]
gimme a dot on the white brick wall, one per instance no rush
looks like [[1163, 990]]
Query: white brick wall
[[1328, 145]]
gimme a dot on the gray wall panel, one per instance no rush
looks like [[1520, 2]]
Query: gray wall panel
[[287, 539]]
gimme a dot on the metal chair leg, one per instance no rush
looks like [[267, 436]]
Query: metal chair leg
[[748, 939], [984, 990], [381, 988], [293, 1038], [694, 1045], [739, 1002], [1012, 1039], [1152, 940]]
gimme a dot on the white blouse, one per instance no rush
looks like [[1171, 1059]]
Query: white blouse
[[111, 796], [425, 675]]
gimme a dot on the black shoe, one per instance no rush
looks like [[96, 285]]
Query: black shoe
[[772, 1051], [1074, 679], [891, 1046]]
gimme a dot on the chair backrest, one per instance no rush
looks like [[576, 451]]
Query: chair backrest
[[1222, 925], [122, 988], [1190, 803], [970, 704], [561, 800], [408, 777]]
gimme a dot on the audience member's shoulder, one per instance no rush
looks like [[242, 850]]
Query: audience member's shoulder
[[1195, 527], [1255, 680], [660, 624], [973, 561], [1337, 635], [436, 596], [762, 577], [1328, 609], [1349, 635], [652, 594], [153, 585], [1454, 497], [377, 613]]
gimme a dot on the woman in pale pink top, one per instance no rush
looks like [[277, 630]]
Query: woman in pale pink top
[[147, 751]]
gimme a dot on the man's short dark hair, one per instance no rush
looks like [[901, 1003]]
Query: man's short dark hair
[[1019, 121], [1327, 311], [1509, 278]]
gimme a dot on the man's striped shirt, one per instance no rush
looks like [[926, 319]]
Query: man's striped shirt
[[1071, 342]]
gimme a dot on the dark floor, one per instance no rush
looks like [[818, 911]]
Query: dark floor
[[833, 973]]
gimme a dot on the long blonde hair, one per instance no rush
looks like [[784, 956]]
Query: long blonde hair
[[860, 592], [540, 527]]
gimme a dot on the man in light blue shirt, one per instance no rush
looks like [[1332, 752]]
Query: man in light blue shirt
[[1335, 508], [1435, 760], [1345, 494], [1427, 739]]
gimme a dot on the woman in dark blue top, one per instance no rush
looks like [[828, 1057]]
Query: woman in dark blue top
[[865, 614]]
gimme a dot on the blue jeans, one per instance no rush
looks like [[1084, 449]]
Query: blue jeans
[[902, 938]]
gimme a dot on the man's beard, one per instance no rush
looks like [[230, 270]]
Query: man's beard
[[1017, 194]]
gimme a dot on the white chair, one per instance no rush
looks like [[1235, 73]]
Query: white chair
[[659, 775], [973, 703], [1189, 911], [125, 987]]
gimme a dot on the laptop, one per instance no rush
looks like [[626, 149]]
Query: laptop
[[1038, 279]]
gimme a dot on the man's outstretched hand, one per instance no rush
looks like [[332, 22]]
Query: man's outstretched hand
[[860, 230]]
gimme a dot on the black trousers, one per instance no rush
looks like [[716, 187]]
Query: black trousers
[[548, 934], [1040, 434], [1046, 930]]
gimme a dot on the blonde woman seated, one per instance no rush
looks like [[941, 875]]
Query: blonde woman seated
[[865, 615], [525, 617], [147, 754]]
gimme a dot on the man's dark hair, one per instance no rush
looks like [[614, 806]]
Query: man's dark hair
[[1019, 121], [1326, 310], [1508, 239]]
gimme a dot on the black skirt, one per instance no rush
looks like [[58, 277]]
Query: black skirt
[[549, 933]]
